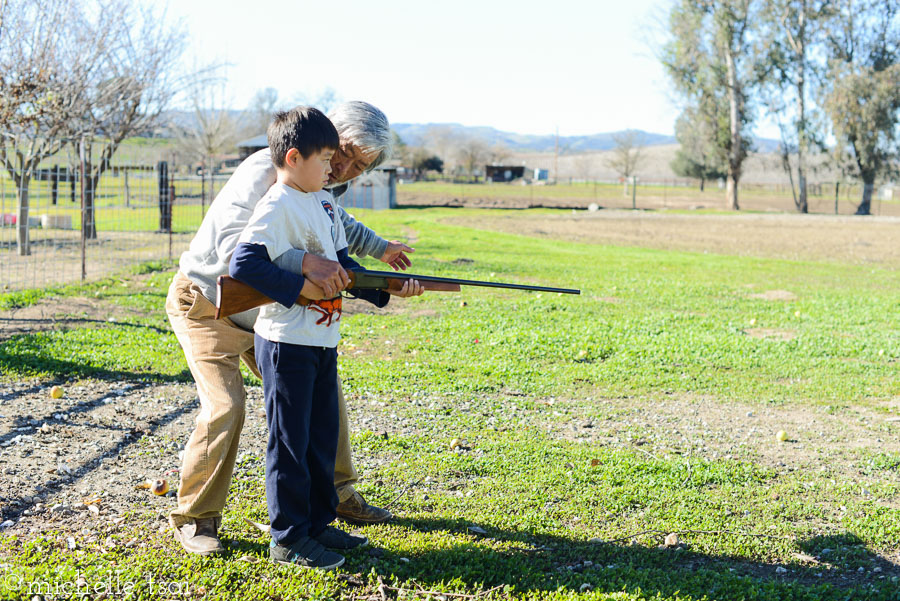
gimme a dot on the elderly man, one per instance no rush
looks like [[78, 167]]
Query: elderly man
[[214, 348]]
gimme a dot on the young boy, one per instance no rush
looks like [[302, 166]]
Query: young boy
[[295, 345]]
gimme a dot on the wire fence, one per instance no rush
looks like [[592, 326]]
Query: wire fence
[[824, 197], [72, 217]]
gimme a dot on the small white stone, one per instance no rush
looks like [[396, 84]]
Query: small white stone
[[781, 570]]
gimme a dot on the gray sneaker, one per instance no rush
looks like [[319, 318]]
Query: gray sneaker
[[335, 538], [200, 536], [306, 553]]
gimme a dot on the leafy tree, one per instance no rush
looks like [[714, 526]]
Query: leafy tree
[[700, 156], [423, 161], [709, 61], [863, 96], [792, 31]]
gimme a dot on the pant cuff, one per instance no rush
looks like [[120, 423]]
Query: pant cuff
[[344, 492]]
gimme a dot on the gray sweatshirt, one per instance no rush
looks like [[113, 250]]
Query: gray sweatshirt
[[210, 251]]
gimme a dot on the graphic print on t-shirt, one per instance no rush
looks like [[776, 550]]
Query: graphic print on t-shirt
[[328, 307]]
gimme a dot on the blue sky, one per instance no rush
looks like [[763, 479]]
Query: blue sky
[[523, 66]]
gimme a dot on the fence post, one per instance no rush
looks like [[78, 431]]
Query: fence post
[[837, 187], [203, 192], [633, 192], [127, 188], [165, 206], [171, 204], [54, 179], [81, 156]]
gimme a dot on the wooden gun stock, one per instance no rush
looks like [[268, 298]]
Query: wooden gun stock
[[234, 296]]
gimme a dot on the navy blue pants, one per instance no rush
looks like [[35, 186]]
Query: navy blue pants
[[300, 388]]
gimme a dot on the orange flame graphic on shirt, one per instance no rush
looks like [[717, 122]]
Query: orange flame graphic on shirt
[[330, 309]]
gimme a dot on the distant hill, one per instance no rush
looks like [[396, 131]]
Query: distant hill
[[415, 133]]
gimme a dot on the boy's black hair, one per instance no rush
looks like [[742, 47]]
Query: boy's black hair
[[305, 128]]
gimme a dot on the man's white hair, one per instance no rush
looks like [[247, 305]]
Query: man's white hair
[[366, 127]]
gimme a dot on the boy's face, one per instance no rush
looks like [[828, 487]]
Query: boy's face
[[310, 174]]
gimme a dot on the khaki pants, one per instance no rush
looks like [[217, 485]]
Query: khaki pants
[[214, 349]]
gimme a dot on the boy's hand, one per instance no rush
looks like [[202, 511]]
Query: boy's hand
[[410, 288], [312, 292], [395, 255], [327, 275]]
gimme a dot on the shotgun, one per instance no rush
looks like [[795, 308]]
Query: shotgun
[[234, 296]]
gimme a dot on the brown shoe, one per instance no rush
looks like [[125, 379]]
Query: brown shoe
[[356, 511], [200, 537]]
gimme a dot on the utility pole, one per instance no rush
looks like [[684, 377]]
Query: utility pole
[[556, 158]]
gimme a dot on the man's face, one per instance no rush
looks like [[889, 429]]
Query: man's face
[[348, 162]]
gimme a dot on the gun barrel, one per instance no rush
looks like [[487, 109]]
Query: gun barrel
[[378, 279]]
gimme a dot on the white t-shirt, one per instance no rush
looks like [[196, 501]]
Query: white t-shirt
[[287, 218]]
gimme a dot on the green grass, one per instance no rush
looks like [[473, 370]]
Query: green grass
[[648, 325]]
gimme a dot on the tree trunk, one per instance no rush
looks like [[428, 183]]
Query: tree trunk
[[731, 192], [802, 125], [23, 240], [734, 153], [90, 220], [702, 183], [865, 207], [802, 203]]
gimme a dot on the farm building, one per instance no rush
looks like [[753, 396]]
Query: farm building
[[503, 173], [251, 145], [374, 190]]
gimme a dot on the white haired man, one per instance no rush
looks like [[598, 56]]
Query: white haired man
[[214, 348]]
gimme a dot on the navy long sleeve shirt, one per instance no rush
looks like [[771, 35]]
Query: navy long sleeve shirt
[[250, 264]]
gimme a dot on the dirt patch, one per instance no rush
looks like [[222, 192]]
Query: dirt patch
[[771, 334], [775, 295], [61, 313], [862, 240]]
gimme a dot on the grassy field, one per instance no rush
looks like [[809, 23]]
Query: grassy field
[[752, 197], [590, 427]]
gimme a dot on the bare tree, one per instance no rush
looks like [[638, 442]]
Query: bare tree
[[134, 77], [627, 153], [470, 153], [324, 100], [442, 140], [498, 154], [215, 128], [264, 104], [585, 166], [41, 76]]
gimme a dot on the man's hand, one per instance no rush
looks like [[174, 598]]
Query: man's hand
[[410, 288], [395, 255], [326, 274]]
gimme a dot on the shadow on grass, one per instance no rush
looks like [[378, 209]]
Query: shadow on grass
[[551, 563], [24, 322], [528, 563], [39, 363]]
